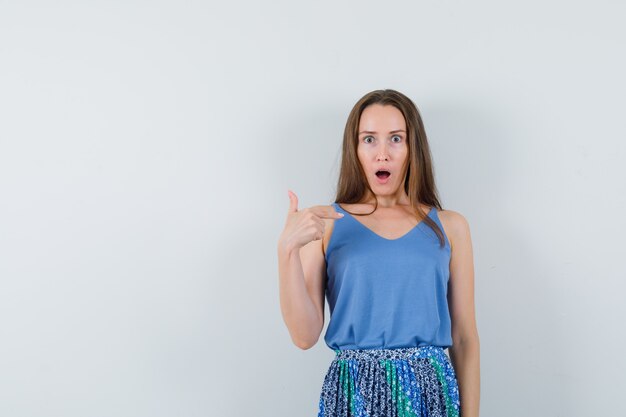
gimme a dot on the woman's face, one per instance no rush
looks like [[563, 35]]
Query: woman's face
[[383, 147]]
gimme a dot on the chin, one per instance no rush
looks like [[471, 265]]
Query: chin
[[385, 191]]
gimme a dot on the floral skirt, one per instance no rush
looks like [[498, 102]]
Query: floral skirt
[[402, 382]]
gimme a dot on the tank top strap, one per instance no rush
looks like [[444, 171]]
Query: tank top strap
[[342, 229]]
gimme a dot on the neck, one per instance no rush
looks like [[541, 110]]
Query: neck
[[386, 201]]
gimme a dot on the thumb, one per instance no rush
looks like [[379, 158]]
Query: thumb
[[293, 202]]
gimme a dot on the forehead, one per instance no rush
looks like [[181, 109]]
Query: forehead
[[378, 117]]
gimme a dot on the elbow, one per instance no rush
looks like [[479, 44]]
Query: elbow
[[305, 337], [306, 341], [304, 344]]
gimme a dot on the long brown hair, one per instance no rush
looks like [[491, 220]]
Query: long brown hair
[[419, 182]]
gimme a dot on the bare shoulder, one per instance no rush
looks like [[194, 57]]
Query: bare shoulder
[[455, 226]]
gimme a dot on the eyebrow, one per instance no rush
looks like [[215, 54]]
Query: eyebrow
[[393, 131]]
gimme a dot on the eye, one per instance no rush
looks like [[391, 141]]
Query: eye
[[397, 136], [366, 138]]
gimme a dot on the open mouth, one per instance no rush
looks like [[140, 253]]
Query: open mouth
[[383, 174]]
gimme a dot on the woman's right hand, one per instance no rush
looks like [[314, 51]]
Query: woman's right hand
[[306, 225]]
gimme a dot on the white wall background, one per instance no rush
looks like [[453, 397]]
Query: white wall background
[[146, 149]]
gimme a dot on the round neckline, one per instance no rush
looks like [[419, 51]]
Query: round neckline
[[382, 237]]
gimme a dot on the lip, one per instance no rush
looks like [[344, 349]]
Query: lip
[[383, 180]]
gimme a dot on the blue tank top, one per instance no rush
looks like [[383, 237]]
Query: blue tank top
[[386, 293]]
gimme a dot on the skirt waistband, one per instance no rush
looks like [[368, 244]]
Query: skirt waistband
[[390, 353]]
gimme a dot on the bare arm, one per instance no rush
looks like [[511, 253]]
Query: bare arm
[[302, 295], [302, 271], [465, 352]]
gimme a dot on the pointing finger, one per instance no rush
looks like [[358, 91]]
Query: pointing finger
[[293, 201], [326, 212]]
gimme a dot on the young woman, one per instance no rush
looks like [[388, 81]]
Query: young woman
[[397, 271]]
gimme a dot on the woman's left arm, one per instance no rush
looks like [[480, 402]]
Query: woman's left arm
[[465, 351]]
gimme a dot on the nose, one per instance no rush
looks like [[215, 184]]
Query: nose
[[382, 154]]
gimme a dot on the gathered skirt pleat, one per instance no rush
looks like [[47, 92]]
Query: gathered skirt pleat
[[402, 382]]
